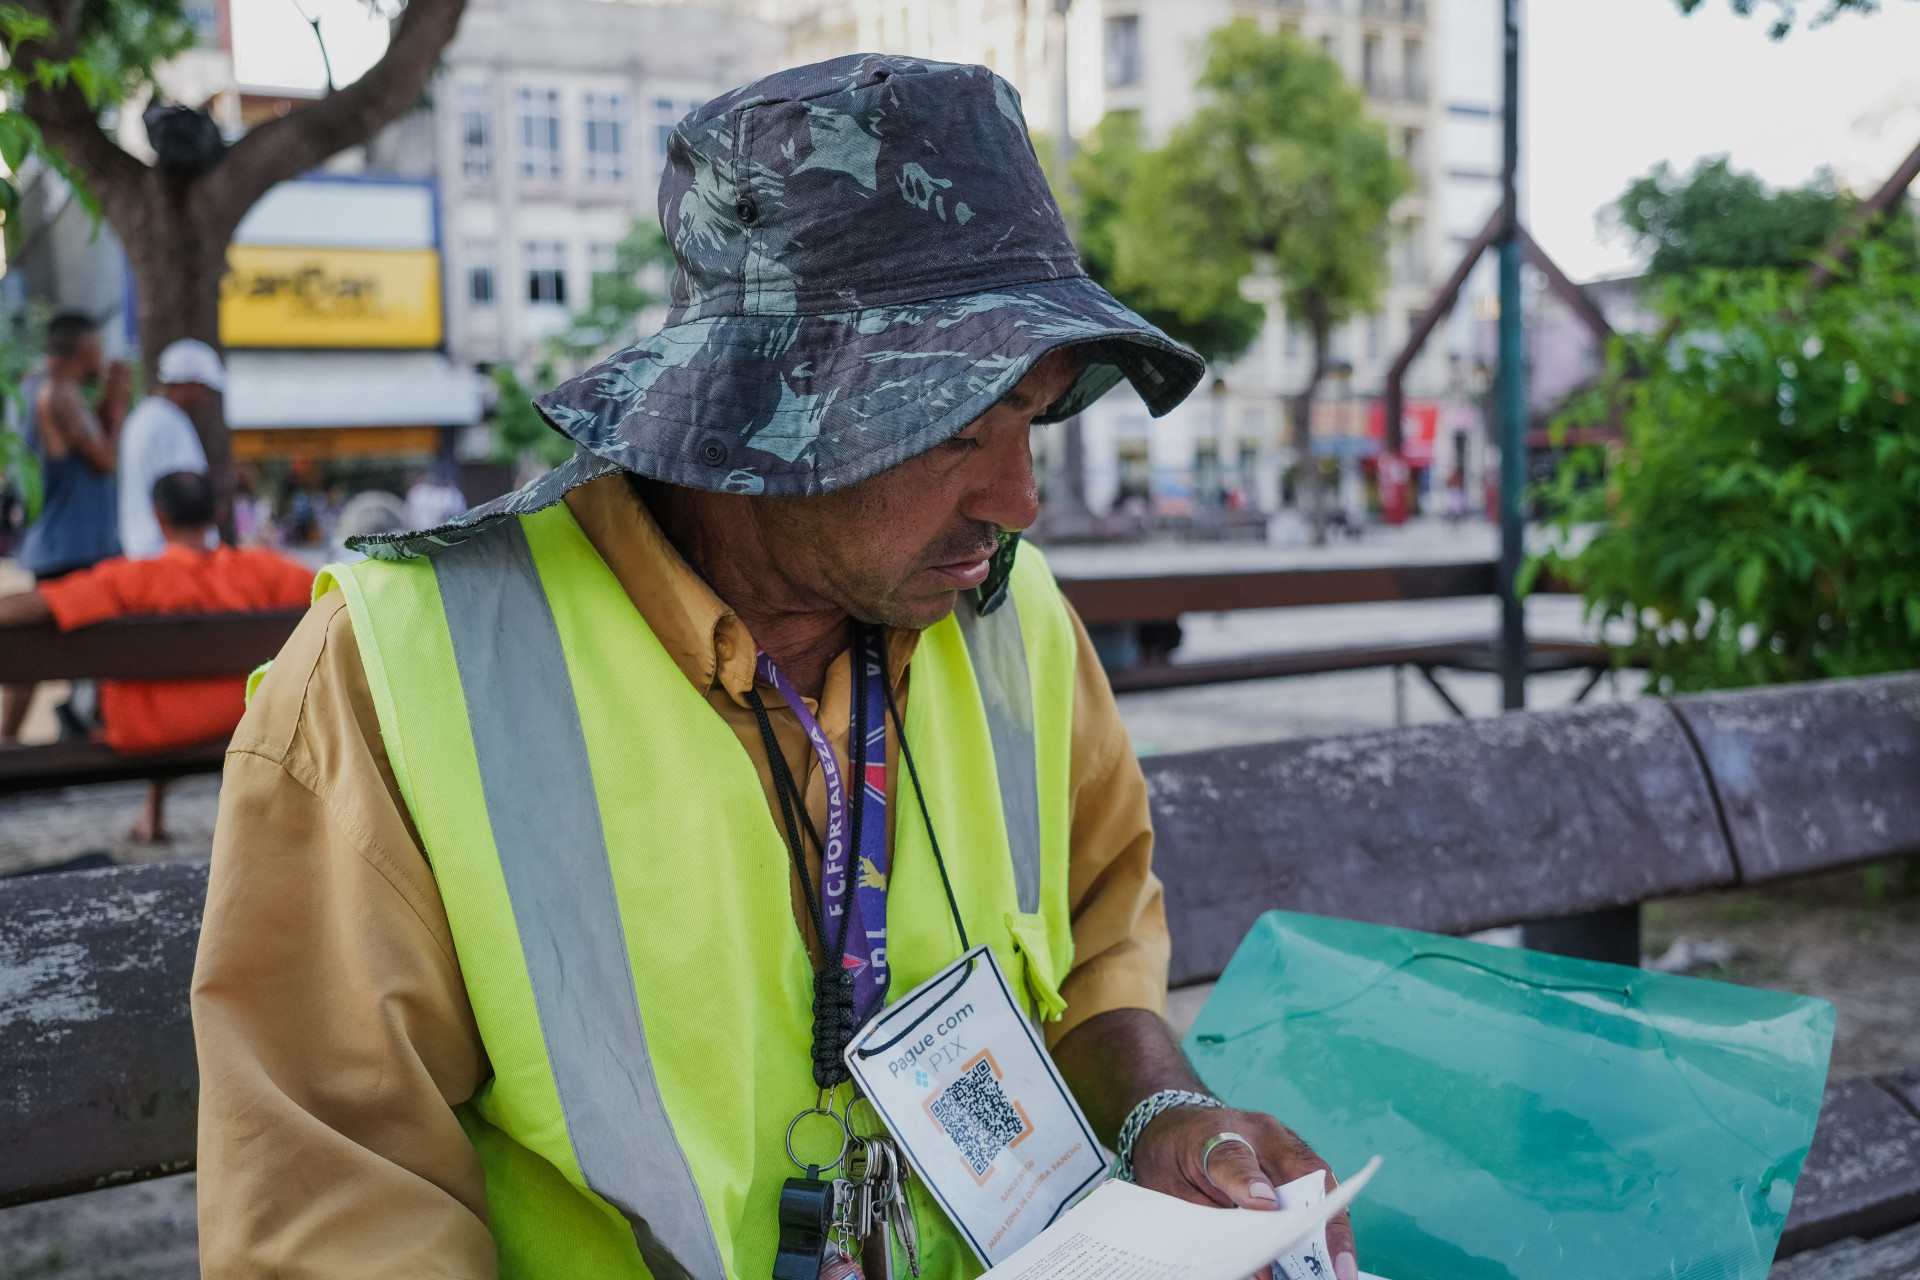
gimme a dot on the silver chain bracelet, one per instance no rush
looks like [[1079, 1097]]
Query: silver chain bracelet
[[1144, 1114]]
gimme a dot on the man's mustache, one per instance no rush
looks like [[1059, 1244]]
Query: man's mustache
[[976, 542]]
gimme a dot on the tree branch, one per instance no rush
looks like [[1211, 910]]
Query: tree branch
[[295, 143], [1844, 241]]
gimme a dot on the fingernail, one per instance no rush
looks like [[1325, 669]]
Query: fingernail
[[1258, 1190], [1345, 1267]]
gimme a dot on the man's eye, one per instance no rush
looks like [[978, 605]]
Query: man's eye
[[963, 444]]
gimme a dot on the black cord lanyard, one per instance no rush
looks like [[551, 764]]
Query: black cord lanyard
[[833, 994]]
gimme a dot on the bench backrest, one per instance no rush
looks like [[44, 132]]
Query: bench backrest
[[1449, 828], [179, 646], [96, 1050], [1472, 824]]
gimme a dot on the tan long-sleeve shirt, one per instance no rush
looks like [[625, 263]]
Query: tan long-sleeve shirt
[[335, 1036]]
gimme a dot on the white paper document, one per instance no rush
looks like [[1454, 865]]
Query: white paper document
[[1124, 1232], [1310, 1259]]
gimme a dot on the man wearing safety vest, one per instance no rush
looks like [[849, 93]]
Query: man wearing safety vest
[[595, 873]]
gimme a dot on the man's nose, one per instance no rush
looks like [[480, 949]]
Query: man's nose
[[1004, 492]]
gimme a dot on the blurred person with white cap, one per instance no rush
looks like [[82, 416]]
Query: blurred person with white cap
[[159, 439]]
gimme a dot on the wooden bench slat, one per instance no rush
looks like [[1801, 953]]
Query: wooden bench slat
[[1447, 828], [1813, 776], [99, 1084], [1473, 654], [1162, 598], [71, 764], [150, 648], [1862, 1176], [1895, 1256]]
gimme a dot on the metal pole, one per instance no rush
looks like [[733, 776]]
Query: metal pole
[[1512, 388]]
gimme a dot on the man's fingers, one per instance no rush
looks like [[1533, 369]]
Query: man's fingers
[[1235, 1171], [839, 1268], [1340, 1245]]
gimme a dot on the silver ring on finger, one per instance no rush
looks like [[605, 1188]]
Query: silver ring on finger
[[1219, 1139]]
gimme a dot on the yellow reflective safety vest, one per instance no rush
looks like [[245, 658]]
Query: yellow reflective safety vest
[[620, 897]]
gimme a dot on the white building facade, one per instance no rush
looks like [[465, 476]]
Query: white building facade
[[1231, 445], [548, 127]]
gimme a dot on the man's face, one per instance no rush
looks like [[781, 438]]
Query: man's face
[[87, 361], [189, 396], [897, 548]]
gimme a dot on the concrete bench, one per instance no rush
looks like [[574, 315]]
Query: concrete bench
[[1449, 828]]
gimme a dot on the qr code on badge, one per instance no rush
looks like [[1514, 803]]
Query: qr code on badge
[[976, 1115]]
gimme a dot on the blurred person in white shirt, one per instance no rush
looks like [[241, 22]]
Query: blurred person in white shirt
[[158, 439], [434, 499]]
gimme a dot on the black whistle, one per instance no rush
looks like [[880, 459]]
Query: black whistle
[[806, 1215]]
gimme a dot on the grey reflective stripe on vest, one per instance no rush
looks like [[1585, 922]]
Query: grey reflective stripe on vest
[[553, 853], [999, 656]]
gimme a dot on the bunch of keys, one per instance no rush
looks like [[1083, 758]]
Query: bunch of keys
[[855, 1215], [879, 1211]]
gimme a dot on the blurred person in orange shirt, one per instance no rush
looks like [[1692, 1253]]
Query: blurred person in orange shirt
[[144, 716]]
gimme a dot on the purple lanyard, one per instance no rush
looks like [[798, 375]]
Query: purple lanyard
[[853, 899]]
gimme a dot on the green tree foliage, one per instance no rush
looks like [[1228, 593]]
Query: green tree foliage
[[615, 300], [118, 45], [1220, 325], [1280, 171], [518, 429], [22, 337], [1716, 216], [1786, 12], [1761, 521]]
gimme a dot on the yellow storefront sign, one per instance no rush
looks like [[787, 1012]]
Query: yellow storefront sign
[[275, 296]]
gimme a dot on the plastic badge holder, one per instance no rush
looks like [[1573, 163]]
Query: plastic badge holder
[[1539, 1116]]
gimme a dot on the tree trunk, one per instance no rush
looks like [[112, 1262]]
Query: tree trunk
[[176, 251], [1312, 508], [176, 229]]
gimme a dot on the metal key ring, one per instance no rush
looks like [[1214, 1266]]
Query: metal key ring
[[846, 1138], [1206, 1152]]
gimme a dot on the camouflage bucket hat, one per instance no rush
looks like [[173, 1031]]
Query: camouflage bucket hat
[[868, 258]]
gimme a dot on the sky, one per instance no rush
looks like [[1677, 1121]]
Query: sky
[[1613, 86], [274, 46]]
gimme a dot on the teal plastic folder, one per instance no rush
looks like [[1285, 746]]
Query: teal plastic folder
[[1539, 1116]]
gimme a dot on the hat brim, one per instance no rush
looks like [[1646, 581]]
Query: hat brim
[[786, 405]]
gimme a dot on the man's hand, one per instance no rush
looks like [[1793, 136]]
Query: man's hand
[[23, 608], [116, 394], [1168, 1158], [839, 1268], [1113, 1060]]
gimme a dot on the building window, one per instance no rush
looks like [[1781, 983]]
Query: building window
[[1371, 77], [668, 112], [606, 117], [547, 273], [1413, 66], [476, 132], [1373, 337], [1413, 150], [1123, 50], [1413, 251], [480, 272], [602, 257], [540, 134]]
